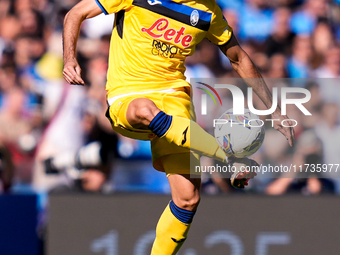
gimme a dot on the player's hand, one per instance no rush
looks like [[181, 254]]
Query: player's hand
[[288, 132], [72, 72], [243, 171]]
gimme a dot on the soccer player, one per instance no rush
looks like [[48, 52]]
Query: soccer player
[[149, 97]]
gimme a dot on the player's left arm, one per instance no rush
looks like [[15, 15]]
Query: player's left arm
[[85, 9], [245, 67]]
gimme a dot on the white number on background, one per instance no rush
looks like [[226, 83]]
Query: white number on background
[[107, 243]]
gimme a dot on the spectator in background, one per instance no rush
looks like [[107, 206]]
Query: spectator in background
[[5, 6], [277, 66], [314, 105], [134, 171], [32, 23], [329, 90], [208, 56], [22, 5], [308, 154], [8, 80], [291, 4], [281, 37], [9, 30], [322, 40], [328, 131], [273, 152], [299, 63], [15, 135], [331, 64], [256, 20], [235, 5], [305, 20]]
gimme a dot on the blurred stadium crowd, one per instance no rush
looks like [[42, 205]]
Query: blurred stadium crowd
[[50, 130]]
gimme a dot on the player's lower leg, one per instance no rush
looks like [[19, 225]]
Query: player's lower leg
[[180, 130], [174, 224], [143, 113], [172, 230]]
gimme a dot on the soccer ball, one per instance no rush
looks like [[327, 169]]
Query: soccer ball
[[239, 135]]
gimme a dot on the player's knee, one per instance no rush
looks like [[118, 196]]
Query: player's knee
[[144, 114], [189, 203], [141, 112]]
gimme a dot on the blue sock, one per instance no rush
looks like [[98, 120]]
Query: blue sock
[[182, 215], [160, 124]]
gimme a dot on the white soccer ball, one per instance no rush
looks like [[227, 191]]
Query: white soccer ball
[[239, 135]]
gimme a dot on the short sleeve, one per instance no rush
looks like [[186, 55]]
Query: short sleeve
[[113, 6], [219, 32]]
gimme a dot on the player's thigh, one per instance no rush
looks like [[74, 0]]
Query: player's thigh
[[178, 104]]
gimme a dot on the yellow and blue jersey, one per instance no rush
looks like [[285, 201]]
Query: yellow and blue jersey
[[152, 38]]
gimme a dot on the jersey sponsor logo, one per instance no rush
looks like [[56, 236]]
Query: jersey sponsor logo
[[154, 2], [163, 49], [194, 17], [159, 29]]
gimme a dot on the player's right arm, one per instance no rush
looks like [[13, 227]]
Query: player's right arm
[[245, 67], [220, 33], [83, 10]]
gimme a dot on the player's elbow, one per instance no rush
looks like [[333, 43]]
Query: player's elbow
[[85, 9], [74, 14], [71, 15], [237, 65], [241, 61], [239, 58]]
